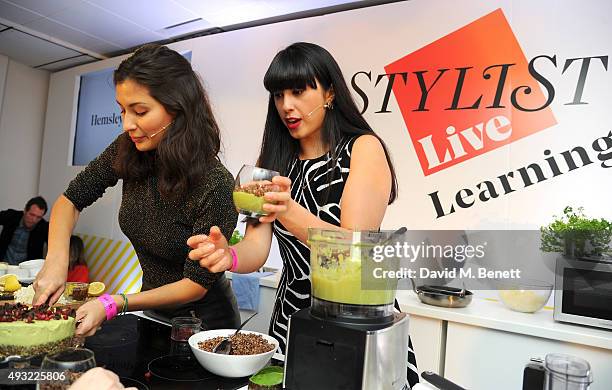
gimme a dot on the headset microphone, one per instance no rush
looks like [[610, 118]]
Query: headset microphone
[[160, 130], [326, 105]]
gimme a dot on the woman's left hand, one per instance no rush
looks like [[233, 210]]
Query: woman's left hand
[[91, 315], [277, 202]]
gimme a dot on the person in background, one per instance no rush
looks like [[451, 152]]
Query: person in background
[[77, 267], [174, 186], [24, 233]]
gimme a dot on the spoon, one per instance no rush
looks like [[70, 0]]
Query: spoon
[[392, 236], [395, 234], [224, 347]]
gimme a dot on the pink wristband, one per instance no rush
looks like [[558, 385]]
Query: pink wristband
[[234, 259], [110, 306]]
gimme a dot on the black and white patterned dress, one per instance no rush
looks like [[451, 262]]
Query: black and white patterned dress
[[311, 188]]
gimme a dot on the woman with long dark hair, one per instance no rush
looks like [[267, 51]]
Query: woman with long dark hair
[[77, 266], [173, 187], [335, 173]]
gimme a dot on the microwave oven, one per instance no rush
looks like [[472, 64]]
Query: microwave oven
[[583, 291]]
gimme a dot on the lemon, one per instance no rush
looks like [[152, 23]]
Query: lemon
[[11, 283], [96, 289], [4, 278]]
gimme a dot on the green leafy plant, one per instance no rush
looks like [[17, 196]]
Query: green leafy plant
[[575, 235], [236, 238]]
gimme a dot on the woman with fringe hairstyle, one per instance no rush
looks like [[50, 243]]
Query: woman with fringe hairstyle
[[336, 173]]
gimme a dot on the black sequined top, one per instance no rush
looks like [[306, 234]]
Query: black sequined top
[[158, 228]]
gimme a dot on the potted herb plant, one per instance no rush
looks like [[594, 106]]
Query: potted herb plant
[[576, 235], [236, 237]]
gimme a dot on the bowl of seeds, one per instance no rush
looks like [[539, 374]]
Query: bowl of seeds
[[250, 352]]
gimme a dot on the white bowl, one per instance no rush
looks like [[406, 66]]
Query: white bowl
[[20, 272], [34, 271], [38, 263], [230, 366]]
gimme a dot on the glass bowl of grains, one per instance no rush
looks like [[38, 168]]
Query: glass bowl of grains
[[249, 188]]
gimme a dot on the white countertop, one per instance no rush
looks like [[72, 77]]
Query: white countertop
[[492, 314]]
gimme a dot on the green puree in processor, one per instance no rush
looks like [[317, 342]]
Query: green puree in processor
[[249, 202], [337, 278]]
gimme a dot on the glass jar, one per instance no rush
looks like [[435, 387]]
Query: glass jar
[[565, 372]]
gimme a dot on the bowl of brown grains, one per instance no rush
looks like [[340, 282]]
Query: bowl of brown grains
[[251, 351]]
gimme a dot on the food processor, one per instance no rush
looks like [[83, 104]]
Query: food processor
[[350, 337], [557, 372]]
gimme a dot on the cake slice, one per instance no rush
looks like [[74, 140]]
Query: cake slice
[[29, 331]]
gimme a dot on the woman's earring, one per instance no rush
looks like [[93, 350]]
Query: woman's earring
[[329, 105]]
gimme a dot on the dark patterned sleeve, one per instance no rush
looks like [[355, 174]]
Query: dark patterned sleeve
[[216, 208], [91, 183]]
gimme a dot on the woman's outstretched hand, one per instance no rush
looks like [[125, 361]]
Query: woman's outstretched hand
[[211, 250]]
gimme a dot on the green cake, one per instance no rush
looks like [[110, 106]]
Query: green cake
[[28, 331]]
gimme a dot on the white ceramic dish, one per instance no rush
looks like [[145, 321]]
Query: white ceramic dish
[[34, 272], [32, 267], [230, 366], [38, 263], [19, 272]]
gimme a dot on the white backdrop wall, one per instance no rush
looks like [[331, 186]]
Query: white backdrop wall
[[23, 100], [3, 68], [56, 172], [232, 65]]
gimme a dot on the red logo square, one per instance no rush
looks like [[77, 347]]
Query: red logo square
[[468, 93]]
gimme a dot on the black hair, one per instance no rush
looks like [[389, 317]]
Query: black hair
[[38, 201], [76, 252], [295, 67], [191, 142]]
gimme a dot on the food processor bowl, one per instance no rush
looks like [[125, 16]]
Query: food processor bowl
[[348, 276]]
